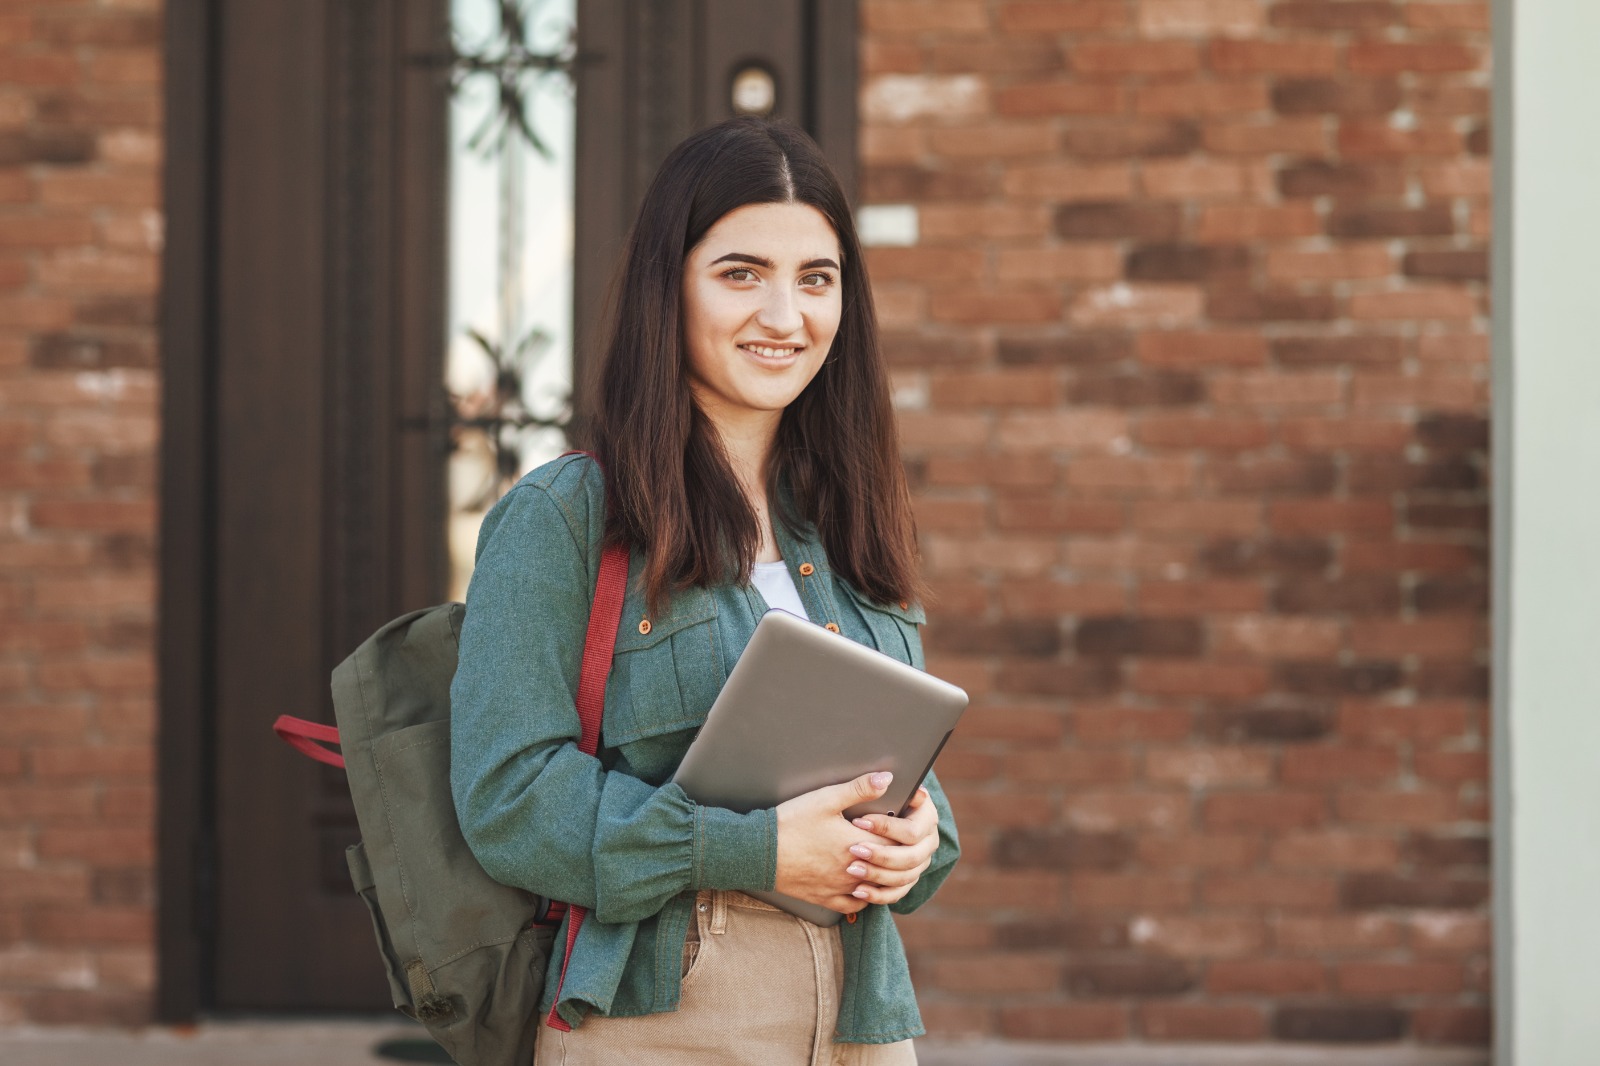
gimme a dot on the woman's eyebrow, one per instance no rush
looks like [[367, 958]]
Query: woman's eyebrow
[[746, 257]]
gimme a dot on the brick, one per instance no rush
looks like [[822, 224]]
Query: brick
[[1255, 56], [1200, 678], [1013, 388], [1432, 57], [1284, 891], [1088, 428], [1187, 262], [41, 885], [1074, 933], [1003, 809], [1128, 975], [1379, 140], [1061, 98], [1450, 932], [1272, 637], [1471, 15], [1059, 679], [1197, 937], [994, 140], [1125, 892], [949, 223], [1337, 96], [1214, 97], [1108, 811], [1426, 637], [1136, 304], [1334, 850], [1351, 433], [1134, 57], [1424, 720], [1373, 890], [1438, 302], [1459, 177], [1342, 181], [1336, 15], [1432, 220], [1336, 934], [1365, 349], [1202, 432], [1065, 1021], [1052, 598], [880, 56], [1420, 808], [103, 763], [1117, 725], [1265, 977], [1452, 98], [1433, 391], [1071, 766], [924, 16], [1022, 724], [1273, 389], [1469, 1026], [1124, 477], [1211, 348], [1130, 138], [1133, 390], [1200, 516], [1058, 515], [1069, 183], [1331, 516], [1192, 179], [992, 56], [1077, 349], [1452, 767], [1279, 305], [1339, 1023], [1124, 555], [1110, 220], [101, 845], [1207, 767], [1378, 980], [1302, 136], [1277, 810], [1347, 262], [1200, 597], [896, 98], [1074, 262], [995, 972], [1014, 307], [1466, 265], [1255, 476], [1199, 851]]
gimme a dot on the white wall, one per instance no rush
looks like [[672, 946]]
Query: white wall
[[1547, 531]]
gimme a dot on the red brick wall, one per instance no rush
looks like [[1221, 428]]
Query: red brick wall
[[80, 237], [1191, 358]]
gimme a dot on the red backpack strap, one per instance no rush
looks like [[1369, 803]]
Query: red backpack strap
[[604, 617], [308, 738]]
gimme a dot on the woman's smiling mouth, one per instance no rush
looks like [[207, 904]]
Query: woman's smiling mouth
[[770, 353]]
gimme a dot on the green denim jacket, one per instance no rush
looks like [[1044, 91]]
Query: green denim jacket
[[610, 833]]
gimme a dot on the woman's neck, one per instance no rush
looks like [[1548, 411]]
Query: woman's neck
[[747, 442]]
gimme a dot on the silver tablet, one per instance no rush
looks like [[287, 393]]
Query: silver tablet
[[805, 707]]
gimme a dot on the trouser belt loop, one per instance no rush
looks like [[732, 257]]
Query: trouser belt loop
[[719, 912]]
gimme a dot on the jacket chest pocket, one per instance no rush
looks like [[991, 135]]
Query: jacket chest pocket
[[665, 673], [893, 627]]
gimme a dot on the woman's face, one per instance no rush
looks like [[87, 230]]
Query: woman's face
[[761, 303]]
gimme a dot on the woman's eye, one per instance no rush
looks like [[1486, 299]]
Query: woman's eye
[[740, 274], [812, 281]]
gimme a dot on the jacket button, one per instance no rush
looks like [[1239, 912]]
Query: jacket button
[[851, 918], [806, 569], [644, 626], [904, 606], [832, 627]]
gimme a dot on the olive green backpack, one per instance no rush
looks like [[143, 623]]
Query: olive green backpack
[[465, 955]]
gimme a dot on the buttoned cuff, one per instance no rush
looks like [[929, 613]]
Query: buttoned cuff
[[735, 851]]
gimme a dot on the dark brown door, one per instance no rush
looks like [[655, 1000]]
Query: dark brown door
[[307, 427]]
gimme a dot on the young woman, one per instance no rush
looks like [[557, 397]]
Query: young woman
[[747, 458]]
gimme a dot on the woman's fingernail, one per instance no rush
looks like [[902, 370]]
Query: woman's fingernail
[[861, 851], [881, 779], [860, 893], [862, 823], [855, 869]]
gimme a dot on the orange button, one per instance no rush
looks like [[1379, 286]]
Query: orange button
[[644, 626], [904, 606], [850, 918], [832, 627], [806, 569]]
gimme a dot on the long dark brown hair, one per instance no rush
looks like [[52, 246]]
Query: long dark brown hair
[[670, 489]]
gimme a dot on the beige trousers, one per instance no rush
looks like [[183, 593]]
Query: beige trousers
[[760, 988]]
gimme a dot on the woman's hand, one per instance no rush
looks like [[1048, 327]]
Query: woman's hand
[[888, 866], [815, 842]]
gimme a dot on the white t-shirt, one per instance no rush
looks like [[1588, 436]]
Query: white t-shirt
[[777, 587]]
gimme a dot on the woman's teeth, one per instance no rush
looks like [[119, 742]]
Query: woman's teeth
[[770, 353]]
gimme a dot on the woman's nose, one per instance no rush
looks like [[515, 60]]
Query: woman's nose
[[780, 313]]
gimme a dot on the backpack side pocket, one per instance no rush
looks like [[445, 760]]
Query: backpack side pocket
[[355, 859]]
